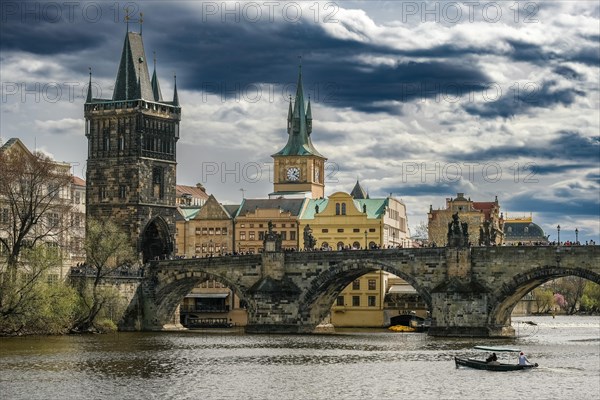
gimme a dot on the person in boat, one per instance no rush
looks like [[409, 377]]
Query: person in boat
[[492, 359], [523, 359]]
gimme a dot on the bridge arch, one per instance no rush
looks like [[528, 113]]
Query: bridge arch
[[323, 290], [504, 300], [176, 286]]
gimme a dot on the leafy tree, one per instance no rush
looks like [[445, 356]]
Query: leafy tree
[[544, 299], [107, 248], [31, 305], [590, 301]]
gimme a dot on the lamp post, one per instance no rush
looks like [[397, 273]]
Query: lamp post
[[576, 236], [366, 248], [393, 239], [558, 230], [210, 247]]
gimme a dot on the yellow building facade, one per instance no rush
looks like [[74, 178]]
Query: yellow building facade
[[353, 222], [204, 231], [252, 221], [342, 223]]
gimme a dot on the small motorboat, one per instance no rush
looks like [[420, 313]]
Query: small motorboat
[[492, 365]]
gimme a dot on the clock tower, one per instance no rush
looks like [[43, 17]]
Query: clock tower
[[298, 167]]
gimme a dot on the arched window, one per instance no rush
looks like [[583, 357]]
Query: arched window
[[325, 245], [372, 245], [343, 208], [356, 245], [340, 246], [337, 208], [509, 229]]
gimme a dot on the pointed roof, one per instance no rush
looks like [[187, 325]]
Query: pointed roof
[[89, 91], [299, 143], [133, 79], [358, 192], [175, 96], [155, 86]]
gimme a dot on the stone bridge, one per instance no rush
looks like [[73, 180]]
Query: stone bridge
[[470, 291]]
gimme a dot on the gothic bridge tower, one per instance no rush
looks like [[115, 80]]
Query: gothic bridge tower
[[131, 165]]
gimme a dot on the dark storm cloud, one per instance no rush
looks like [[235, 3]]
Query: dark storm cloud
[[550, 169], [46, 28], [225, 59], [530, 95], [533, 53], [442, 189], [568, 73], [570, 205], [567, 145]]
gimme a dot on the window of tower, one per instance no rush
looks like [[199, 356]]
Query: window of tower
[[158, 182]]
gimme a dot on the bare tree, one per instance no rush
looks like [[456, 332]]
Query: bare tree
[[107, 248], [34, 202]]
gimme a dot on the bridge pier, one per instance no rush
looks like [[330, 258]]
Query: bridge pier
[[460, 304]]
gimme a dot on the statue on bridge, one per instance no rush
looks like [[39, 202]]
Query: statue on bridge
[[309, 240], [487, 236], [458, 233], [272, 241]]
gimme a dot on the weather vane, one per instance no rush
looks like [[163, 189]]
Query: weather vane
[[127, 18]]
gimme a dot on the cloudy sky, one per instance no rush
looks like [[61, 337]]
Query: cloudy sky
[[421, 99]]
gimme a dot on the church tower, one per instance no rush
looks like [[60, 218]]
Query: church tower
[[299, 168], [131, 166]]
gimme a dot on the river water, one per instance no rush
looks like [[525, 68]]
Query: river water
[[351, 364]]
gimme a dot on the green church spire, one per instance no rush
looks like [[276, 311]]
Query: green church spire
[[299, 126]]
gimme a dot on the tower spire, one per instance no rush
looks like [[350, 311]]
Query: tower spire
[[156, 93], [299, 125], [141, 21], [308, 118], [127, 20], [175, 96], [289, 118], [89, 91], [133, 77]]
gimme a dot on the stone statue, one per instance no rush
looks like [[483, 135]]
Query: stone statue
[[485, 236], [309, 240], [272, 241], [458, 233]]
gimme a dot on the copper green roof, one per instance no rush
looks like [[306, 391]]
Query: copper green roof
[[375, 207], [188, 213], [299, 127]]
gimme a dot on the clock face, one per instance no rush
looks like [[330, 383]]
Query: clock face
[[293, 174], [317, 175]]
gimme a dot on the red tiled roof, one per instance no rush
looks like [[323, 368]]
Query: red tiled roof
[[191, 190], [485, 206], [75, 180]]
